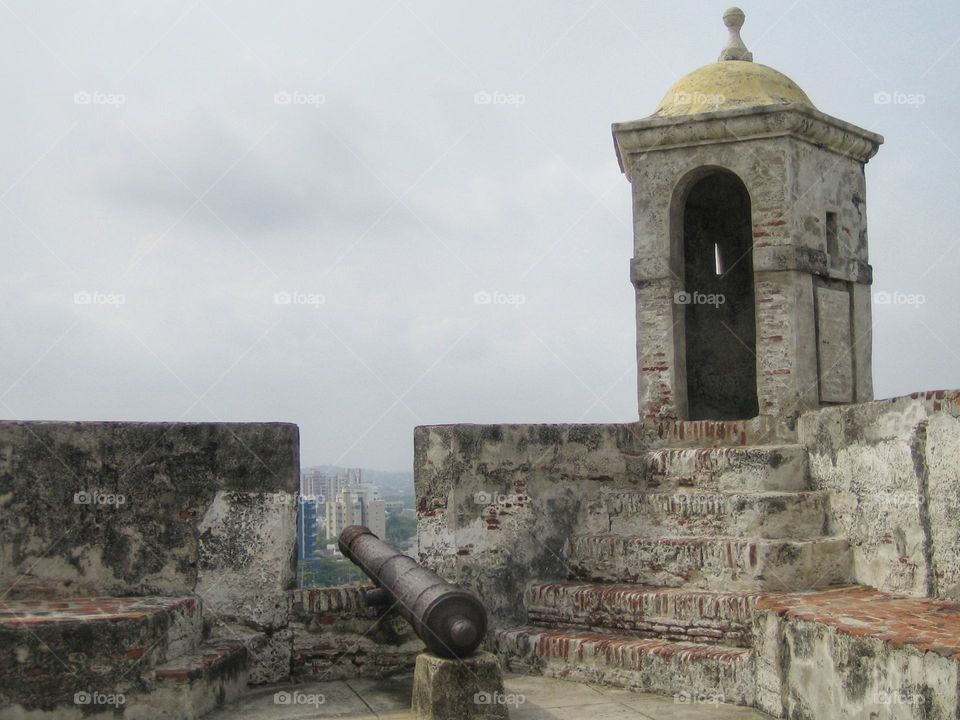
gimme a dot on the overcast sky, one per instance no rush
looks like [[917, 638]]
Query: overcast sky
[[173, 173]]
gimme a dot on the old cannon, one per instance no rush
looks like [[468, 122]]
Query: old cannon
[[450, 621]]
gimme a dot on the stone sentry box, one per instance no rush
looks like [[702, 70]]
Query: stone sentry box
[[750, 250]]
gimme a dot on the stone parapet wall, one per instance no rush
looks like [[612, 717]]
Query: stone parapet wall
[[129, 508], [156, 509], [497, 503], [892, 468]]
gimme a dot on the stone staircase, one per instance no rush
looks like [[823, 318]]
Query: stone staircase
[[135, 658], [666, 568], [663, 640]]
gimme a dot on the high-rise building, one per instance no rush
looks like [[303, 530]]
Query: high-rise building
[[358, 504], [326, 486], [311, 535]]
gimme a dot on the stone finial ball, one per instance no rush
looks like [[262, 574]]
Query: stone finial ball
[[734, 18]]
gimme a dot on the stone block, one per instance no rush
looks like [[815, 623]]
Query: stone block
[[246, 554], [111, 508], [468, 688]]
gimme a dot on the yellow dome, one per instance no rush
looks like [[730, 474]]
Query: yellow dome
[[727, 85]]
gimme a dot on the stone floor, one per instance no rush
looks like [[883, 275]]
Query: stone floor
[[535, 698]]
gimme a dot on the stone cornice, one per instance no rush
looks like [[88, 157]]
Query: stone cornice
[[767, 258], [798, 121]]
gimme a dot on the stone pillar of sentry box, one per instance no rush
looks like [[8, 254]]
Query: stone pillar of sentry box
[[750, 249], [469, 688]]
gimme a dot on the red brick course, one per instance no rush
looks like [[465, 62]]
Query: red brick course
[[927, 625], [108, 609]]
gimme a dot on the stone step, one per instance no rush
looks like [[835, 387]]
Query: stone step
[[708, 672], [50, 650], [752, 468], [190, 686], [712, 563], [765, 514], [907, 653], [644, 611]]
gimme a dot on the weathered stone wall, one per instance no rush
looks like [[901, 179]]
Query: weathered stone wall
[[497, 503], [174, 509], [892, 468], [139, 508]]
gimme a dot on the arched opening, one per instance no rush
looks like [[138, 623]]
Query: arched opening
[[719, 312]]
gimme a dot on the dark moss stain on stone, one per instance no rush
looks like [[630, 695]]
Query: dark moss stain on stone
[[590, 436], [775, 459], [549, 434], [776, 505], [789, 554], [918, 454], [802, 638], [167, 473], [857, 667], [491, 433]]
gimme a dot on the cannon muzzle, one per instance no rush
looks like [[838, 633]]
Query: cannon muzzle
[[450, 621]]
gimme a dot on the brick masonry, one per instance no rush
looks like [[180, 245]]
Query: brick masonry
[[644, 611], [337, 635]]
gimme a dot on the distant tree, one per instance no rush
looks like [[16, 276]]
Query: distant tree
[[323, 571]]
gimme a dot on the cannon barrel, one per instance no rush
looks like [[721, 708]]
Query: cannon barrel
[[450, 621]]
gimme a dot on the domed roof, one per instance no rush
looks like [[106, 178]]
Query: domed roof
[[734, 81], [727, 85]]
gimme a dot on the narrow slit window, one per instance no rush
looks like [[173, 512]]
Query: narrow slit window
[[833, 239]]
